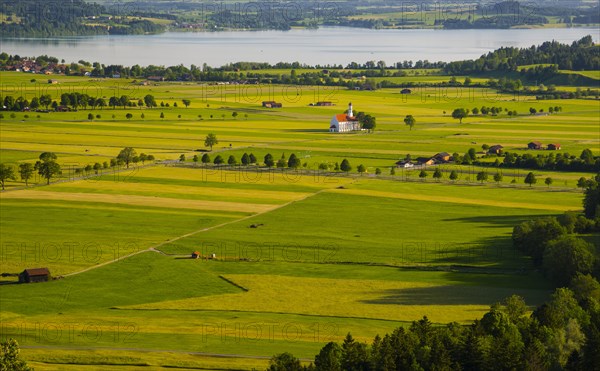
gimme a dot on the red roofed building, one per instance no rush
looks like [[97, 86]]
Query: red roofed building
[[34, 275], [344, 122]]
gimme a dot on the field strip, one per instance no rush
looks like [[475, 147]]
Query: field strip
[[106, 187], [172, 203], [456, 200], [155, 248], [149, 350]]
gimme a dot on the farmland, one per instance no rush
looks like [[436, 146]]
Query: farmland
[[302, 256]]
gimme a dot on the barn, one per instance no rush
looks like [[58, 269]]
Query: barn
[[34, 275]]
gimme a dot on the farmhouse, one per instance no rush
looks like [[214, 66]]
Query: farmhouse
[[271, 104], [320, 104], [405, 91], [442, 157], [404, 164], [344, 122], [195, 255], [52, 81], [495, 150], [425, 161], [534, 145], [34, 275], [553, 146]]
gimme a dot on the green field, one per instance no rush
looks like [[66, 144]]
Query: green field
[[301, 257]]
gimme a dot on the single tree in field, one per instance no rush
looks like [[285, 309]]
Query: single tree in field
[[186, 102], [268, 160], [437, 174], [393, 170], [548, 181], [90, 116], [460, 114], [47, 166], [246, 116], [143, 116], [182, 158], [498, 177], [149, 101], [26, 172], [475, 111], [453, 175], [162, 115], [482, 176], [293, 161], [231, 160], [211, 140], [410, 121], [245, 159], [223, 116], [530, 179], [205, 158], [281, 163], [195, 159], [126, 155], [128, 116], [361, 169], [6, 173], [423, 174], [234, 115], [97, 167], [252, 158], [377, 171], [218, 160], [345, 166], [9, 357]]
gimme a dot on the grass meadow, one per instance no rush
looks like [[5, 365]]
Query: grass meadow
[[301, 257]]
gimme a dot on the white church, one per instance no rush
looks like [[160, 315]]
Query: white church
[[344, 122]]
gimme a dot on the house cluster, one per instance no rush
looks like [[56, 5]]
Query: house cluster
[[322, 104], [31, 66], [539, 145], [271, 104], [437, 159], [344, 122]]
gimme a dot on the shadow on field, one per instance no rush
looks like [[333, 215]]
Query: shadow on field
[[306, 130], [454, 295], [496, 221]]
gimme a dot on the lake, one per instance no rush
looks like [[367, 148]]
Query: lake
[[326, 45]]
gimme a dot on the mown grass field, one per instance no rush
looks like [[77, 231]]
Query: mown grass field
[[302, 258]]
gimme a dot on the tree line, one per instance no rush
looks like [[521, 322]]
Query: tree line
[[48, 168], [580, 55]]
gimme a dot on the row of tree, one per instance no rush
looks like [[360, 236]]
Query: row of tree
[[564, 161], [48, 167]]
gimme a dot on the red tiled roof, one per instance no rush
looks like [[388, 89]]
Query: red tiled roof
[[344, 117]]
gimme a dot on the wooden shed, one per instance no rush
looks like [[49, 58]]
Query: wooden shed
[[34, 275]]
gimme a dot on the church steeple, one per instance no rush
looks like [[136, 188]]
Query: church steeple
[[350, 110]]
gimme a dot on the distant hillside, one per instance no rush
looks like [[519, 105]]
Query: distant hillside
[[34, 18]]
